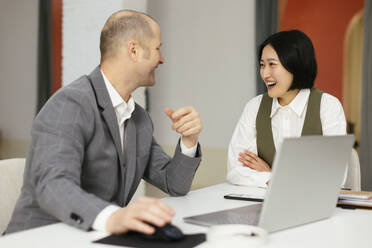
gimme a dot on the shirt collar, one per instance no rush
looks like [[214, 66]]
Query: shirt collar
[[123, 109], [298, 104]]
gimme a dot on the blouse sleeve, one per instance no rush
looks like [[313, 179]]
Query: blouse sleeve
[[332, 116], [244, 138], [333, 119]]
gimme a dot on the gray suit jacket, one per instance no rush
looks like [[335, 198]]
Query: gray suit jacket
[[75, 166]]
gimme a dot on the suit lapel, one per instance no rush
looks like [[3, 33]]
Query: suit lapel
[[130, 155], [111, 121], [108, 112]]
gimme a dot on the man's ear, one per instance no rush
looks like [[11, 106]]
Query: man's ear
[[133, 50]]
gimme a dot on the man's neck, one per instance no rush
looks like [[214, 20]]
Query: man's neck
[[123, 85]]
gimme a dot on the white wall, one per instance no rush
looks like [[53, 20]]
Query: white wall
[[18, 63], [210, 62], [209, 50]]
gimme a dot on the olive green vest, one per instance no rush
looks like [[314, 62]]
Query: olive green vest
[[265, 141]]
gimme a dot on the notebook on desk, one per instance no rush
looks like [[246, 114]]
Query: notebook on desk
[[355, 199], [306, 180]]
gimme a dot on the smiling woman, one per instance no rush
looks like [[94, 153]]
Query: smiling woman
[[277, 79], [290, 108]]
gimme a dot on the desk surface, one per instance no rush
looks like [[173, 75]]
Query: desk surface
[[346, 228]]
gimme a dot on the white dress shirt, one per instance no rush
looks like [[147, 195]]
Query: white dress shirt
[[123, 112], [287, 121]]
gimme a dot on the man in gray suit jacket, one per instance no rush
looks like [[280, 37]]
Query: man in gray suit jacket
[[91, 144]]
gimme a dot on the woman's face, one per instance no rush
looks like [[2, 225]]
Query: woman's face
[[277, 79]]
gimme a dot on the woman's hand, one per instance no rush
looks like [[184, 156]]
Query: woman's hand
[[251, 160]]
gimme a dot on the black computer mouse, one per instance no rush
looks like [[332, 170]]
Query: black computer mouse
[[167, 232]]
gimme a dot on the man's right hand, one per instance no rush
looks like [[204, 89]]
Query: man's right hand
[[135, 215]]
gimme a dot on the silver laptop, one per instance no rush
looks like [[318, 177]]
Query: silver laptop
[[306, 179]]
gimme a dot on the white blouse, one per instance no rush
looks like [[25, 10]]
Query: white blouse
[[287, 121]]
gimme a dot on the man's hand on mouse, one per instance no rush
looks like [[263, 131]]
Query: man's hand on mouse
[[133, 216], [186, 121]]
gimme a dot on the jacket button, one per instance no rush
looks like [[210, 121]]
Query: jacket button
[[76, 218]]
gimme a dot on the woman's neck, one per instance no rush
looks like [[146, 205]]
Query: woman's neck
[[288, 97]]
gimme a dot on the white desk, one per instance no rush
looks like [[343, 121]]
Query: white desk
[[346, 228]]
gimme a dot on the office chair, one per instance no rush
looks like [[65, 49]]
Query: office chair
[[11, 179], [353, 173]]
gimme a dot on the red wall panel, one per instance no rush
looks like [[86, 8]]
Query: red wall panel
[[325, 22], [56, 44]]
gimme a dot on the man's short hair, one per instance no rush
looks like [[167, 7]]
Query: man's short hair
[[123, 26], [296, 53]]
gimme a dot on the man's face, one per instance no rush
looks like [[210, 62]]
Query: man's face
[[150, 59]]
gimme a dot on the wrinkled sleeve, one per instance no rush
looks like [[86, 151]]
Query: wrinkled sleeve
[[244, 138], [333, 119], [59, 134]]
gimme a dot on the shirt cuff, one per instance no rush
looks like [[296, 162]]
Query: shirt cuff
[[190, 152], [99, 223], [264, 179]]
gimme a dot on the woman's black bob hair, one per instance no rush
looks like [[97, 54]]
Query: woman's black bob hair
[[296, 53]]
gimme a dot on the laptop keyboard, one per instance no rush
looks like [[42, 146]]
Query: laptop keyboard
[[249, 215]]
